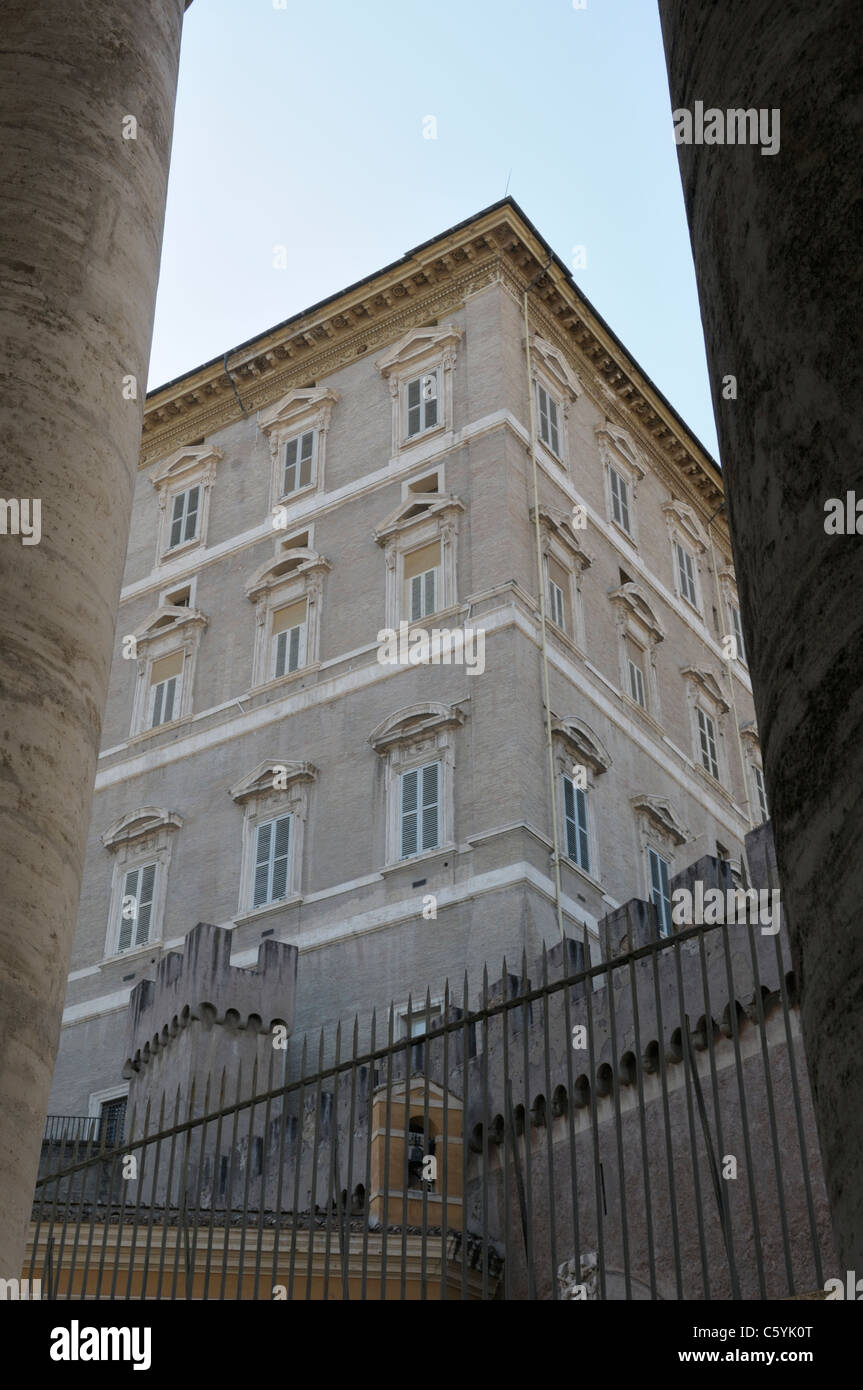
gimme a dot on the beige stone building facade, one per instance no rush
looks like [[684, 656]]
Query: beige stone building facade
[[364, 469]]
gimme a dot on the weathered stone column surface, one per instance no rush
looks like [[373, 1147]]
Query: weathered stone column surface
[[776, 242], [81, 220]]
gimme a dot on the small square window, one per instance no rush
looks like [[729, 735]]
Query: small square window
[[299, 463], [421, 400], [660, 891], [707, 743], [184, 517], [549, 432]]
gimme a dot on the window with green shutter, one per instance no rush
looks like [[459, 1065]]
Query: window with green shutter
[[660, 892], [575, 818], [420, 810], [272, 861], [136, 907]]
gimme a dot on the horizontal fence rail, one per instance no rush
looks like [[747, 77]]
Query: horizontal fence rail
[[638, 1128]]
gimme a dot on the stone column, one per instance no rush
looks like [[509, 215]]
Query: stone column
[[775, 239], [87, 93]]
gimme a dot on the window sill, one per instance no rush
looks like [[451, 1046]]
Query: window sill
[[255, 914], [622, 531], [278, 681], [174, 551], [408, 441], [286, 498], [159, 729], [643, 712], [423, 858], [133, 953], [582, 873]]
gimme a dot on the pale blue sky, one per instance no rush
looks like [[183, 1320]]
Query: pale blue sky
[[303, 126]]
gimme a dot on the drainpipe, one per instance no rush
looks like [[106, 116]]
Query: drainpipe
[[542, 618]]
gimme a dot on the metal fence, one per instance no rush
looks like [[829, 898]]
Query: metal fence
[[636, 1128]]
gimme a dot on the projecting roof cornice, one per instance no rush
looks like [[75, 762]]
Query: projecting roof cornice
[[498, 245]]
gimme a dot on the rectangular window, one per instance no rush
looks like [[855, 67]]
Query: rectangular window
[[422, 401], [635, 671], [619, 500], [184, 517], [272, 855], [660, 892], [299, 463], [112, 1117], [421, 1020], [575, 817], [737, 630], [707, 743], [548, 429], [422, 578], [558, 587], [289, 638], [420, 810], [136, 909], [166, 678], [762, 793], [686, 575]]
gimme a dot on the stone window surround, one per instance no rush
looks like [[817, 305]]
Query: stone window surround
[[191, 466], [142, 837], [685, 530], [418, 352], [618, 450], [157, 638], [559, 542], [703, 689], [269, 589], [301, 410], [753, 758], [636, 620], [659, 828], [400, 534], [575, 743], [730, 597], [408, 739], [550, 369], [262, 801]]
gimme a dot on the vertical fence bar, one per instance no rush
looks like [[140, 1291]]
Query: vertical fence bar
[[314, 1188], [465, 1133], [214, 1190], [642, 1119], [367, 1195], [721, 1189], [549, 1117], [277, 1226], [229, 1187], [265, 1145], [298, 1161], [656, 949], [771, 1108], [693, 1143], [526, 1135], [744, 1117], [570, 1105], [386, 1173], [593, 1116], [445, 1150], [507, 1132]]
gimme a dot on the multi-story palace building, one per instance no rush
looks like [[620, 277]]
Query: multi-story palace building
[[410, 454]]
